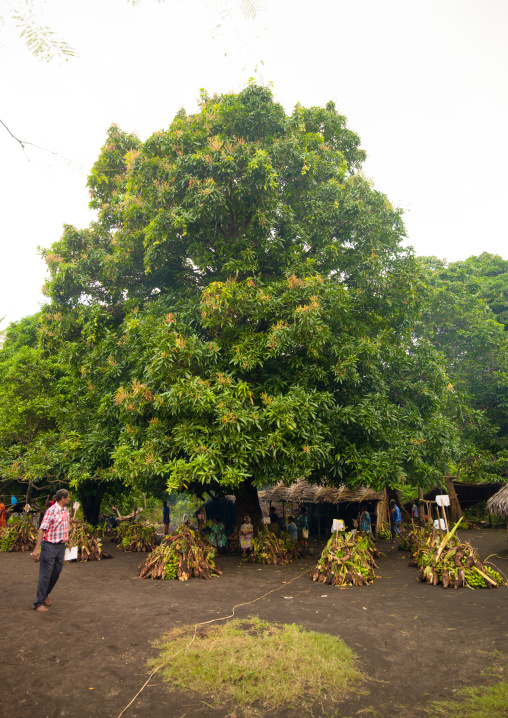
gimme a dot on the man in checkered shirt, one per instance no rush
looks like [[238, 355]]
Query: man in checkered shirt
[[53, 535]]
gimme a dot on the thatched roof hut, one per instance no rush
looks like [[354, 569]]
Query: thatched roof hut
[[498, 504], [301, 492]]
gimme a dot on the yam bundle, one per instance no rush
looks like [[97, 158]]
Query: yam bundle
[[183, 554], [271, 549], [134, 537], [89, 545], [347, 560], [20, 535], [415, 537], [448, 561]]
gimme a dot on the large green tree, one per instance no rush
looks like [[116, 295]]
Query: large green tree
[[245, 296], [464, 303]]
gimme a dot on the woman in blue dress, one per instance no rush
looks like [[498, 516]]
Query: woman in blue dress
[[365, 522]]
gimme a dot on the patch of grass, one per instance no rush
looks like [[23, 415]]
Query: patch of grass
[[251, 664], [495, 671], [479, 702]]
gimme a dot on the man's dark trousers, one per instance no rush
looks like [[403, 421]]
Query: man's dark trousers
[[51, 563]]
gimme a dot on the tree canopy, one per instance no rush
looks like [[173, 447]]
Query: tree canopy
[[242, 310]]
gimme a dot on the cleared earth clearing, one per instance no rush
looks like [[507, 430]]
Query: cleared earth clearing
[[89, 654]]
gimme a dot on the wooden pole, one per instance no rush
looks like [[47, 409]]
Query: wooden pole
[[421, 508], [381, 511]]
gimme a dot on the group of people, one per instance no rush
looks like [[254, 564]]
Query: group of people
[[395, 520], [53, 536], [298, 529]]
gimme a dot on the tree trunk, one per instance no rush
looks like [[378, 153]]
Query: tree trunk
[[247, 504], [29, 493], [455, 508], [381, 512], [90, 495]]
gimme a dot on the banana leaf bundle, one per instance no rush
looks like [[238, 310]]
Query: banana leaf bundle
[[183, 554], [272, 549], [20, 535], [89, 545], [452, 563], [135, 537], [348, 559], [385, 531], [416, 537]]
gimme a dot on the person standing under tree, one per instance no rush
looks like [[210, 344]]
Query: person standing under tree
[[50, 548], [292, 529], [246, 536], [395, 519], [165, 517], [365, 522], [303, 527], [3, 522]]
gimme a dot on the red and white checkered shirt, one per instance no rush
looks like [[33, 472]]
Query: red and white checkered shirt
[[55, 525]]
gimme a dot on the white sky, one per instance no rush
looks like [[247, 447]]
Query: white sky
[[423, 83]]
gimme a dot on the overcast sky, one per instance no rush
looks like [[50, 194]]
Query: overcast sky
[[423, 84]]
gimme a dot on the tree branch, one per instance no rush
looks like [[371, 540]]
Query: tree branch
[[24, 143]]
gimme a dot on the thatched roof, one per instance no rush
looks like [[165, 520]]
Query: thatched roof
[[301, 492], [498, 504]]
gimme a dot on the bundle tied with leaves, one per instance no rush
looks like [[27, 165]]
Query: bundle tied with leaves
[[183, 554], [272, 549], [416, 536], [347, 560], [89, 546], [447, 560], [20, 535], [134, 537]]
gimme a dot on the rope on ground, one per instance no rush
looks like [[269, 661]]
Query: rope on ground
[[204, 623]]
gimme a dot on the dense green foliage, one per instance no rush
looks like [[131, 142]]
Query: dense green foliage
[[242, 310], [460, 323]]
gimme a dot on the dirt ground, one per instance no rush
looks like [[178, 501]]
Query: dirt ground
[[87, 655]]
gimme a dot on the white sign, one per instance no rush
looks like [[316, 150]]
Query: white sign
[[443, 500], [338, 525], [440, 524]]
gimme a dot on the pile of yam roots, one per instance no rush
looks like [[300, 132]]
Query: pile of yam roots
[[183, 554], [136, 537], [20, 535], [271, 549], [348, 559], [443, 559], [89, 546]]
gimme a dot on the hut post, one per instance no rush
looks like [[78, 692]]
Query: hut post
[[421, 507], [381, 511], [318, 522], [455, 509]]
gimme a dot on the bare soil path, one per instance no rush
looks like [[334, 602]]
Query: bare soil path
[[87, 655]]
